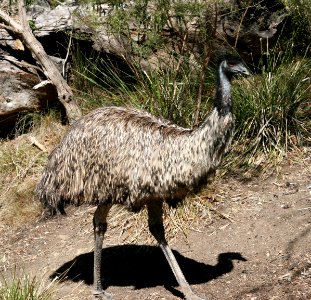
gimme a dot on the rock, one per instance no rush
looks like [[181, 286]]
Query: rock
[[47, 21], [17, 95], [240, 25], [6, 41], [252, 28]]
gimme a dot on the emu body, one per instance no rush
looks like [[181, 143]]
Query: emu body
[[126, 156]]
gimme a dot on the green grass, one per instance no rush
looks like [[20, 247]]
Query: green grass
[[24, 287], [300, 23], [272, 109], [171, 93]]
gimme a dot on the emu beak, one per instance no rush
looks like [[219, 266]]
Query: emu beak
[[246, 73], [241, 70]]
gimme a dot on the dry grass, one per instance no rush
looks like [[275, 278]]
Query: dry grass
[[21, 165]]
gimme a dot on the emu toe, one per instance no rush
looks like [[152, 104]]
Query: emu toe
[[193, 296]]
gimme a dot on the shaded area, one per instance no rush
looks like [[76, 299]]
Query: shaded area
[[142, 267]]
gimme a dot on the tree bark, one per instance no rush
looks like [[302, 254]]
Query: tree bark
[[22, 30]]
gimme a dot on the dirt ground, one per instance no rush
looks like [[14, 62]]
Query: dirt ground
[[261, 250]]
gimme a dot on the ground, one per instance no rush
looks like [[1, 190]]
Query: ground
[[259, 249]]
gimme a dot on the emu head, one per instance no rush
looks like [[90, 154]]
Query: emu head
[[233, 65]]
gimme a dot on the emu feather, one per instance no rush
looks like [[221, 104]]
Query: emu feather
[[127, 156]]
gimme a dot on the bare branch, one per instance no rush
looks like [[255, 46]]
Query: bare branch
[[22, 64], [7, 28], [9, 23], [22, 30]]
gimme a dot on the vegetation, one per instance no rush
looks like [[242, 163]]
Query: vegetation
[[272, 107], [301, 22], [273, 111], [21, 163], [24, 288]]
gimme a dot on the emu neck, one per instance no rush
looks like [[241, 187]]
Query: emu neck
[[222, 100], [215, 133]]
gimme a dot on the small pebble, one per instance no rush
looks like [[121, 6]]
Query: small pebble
[[285, 205]]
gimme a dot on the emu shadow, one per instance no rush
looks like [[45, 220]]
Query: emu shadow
[[142, 267]]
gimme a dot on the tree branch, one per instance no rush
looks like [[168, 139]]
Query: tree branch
[[9, 23], [22, 30], [7, 28]]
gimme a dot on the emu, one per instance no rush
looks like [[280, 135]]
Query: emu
[[116, 155]]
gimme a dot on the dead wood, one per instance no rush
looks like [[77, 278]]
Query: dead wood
[[21, 30]]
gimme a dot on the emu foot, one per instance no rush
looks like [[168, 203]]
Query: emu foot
[[194, 297], [101, 295]]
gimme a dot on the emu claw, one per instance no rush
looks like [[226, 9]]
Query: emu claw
[[101, 295]]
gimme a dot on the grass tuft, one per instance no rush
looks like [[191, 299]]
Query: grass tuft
[[25, 288], [272, 112]]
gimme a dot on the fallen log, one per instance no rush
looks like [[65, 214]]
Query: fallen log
[[23, 32]]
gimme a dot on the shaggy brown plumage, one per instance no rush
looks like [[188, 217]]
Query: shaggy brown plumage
[[127, 156]]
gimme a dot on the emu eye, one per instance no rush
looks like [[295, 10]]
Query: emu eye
[[231, 65]]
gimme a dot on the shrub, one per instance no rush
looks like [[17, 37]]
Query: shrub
[[273, 108]]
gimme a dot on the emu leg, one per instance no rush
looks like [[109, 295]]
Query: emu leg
[[100, 227], [155, 221]]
